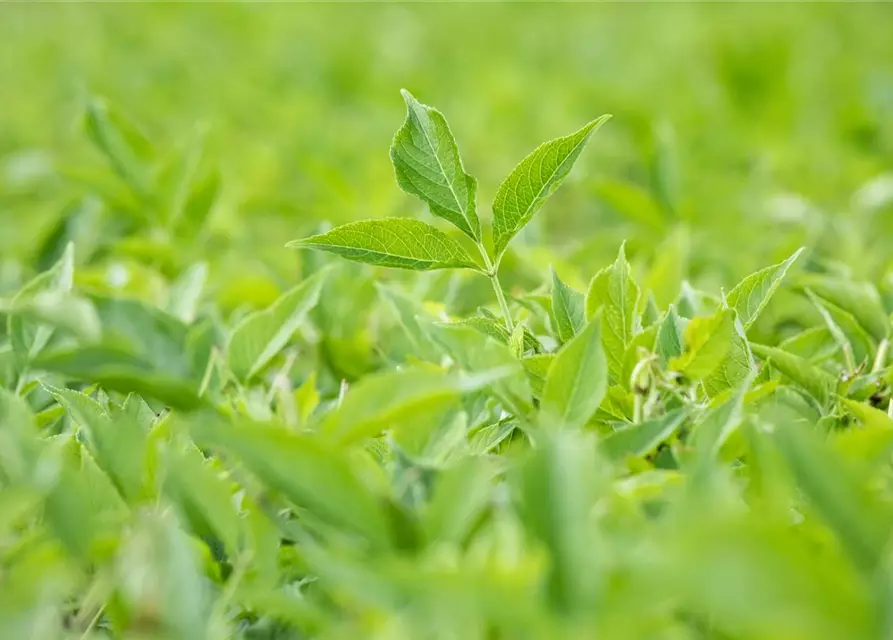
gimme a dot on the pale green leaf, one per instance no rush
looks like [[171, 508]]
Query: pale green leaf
[[707, 343], [615, 292], [525, 190], [263, 334], [402, 243], [186, 291], [427, 164], [577, 380], [752, 294]]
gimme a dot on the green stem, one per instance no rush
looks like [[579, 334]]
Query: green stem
[[494, 280]]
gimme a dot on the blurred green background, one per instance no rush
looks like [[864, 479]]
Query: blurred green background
[[739, 132]]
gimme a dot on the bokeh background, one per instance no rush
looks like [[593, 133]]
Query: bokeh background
[[740, 131]]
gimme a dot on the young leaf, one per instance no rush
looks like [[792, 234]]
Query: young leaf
[[751, 295], [525, 190], [495, 328], [401, 243], [668, 344], [427, 164], [734, 368], [615, 292], [577, 380], [568, 309], [263, 334], [707, 342]]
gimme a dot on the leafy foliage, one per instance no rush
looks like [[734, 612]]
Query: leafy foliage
[[203, 435]]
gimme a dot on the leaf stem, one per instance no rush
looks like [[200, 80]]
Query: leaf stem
[[494, 280]]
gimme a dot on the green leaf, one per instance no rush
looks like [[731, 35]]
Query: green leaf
[[477, 353], [119, 370], [870, 443], [263, 334], [204, 497], [29, 339], [495, 328], [171, 588], [54, 310], [846, 331], [568, 309], [814, 381], [427, 164], [712, 431], [306, 471], [577, 379], [401, 243], [413, 320], [838, 495], [641, 439], [537, 368], [857, 298], [185, 292], [734, 368], [388, 400], [751, 295], [557, 488], [123, 145], [525, 190], [460, 495], [707, 343], [668, 344], [119, 446], [615, 292]]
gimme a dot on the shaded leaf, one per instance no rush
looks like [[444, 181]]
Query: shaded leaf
[[568, 309]]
